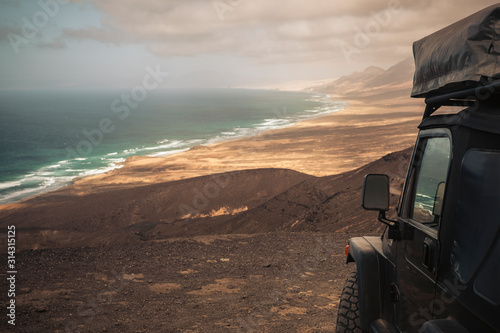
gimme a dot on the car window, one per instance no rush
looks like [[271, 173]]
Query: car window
[[431, 173], [477, 222]]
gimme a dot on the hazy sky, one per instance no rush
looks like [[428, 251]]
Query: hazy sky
[[100, 44]]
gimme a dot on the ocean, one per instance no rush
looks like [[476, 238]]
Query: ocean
[[47, 138]]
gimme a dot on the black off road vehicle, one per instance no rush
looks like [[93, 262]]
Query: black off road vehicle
[[437, 266]]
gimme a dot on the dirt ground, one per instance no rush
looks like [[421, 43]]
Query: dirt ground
[[273, 282]]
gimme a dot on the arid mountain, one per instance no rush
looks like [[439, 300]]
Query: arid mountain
[[372, 81]]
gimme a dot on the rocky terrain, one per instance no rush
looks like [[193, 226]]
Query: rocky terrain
[[272, 282], [266, 254]]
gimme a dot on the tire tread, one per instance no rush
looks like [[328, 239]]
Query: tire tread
[[348, 314]]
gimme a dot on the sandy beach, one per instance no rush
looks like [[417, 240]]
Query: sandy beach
[[363, 132]]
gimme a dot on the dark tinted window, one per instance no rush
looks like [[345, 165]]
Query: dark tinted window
[[486, 284], [478, 212]]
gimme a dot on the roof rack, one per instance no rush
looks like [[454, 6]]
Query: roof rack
[[467, 97]]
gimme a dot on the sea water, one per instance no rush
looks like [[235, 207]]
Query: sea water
[[47, 138]]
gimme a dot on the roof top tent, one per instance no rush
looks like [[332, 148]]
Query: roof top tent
[[460, 64]]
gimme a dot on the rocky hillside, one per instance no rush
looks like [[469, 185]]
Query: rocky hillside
[[241, 202]]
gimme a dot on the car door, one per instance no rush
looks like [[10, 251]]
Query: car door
[[419, 218]]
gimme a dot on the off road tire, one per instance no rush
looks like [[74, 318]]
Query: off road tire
[[348, 314]]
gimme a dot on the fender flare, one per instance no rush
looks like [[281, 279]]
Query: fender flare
[[365, 252]]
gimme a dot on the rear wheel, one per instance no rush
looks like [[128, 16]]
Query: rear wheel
[[348, 314]]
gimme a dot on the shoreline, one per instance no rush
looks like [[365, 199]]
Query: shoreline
[[329, 144], [329, 106], [308, 146]]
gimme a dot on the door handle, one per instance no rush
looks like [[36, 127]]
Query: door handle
[[428, 254]]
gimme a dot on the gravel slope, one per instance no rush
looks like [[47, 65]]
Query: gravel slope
[[274, 282]]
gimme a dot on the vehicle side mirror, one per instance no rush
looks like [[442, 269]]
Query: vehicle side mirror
[[438, 199], [376, 193]]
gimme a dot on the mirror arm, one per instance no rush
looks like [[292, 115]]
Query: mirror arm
[[386, 221]]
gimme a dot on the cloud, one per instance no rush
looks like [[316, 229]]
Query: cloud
[[275, 31], [56, 44], [6, 30], [217, 42], [98, 34]]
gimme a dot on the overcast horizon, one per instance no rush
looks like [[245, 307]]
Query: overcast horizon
[[55, 44]]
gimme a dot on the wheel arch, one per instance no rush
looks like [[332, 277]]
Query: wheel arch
[[365, 252]]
